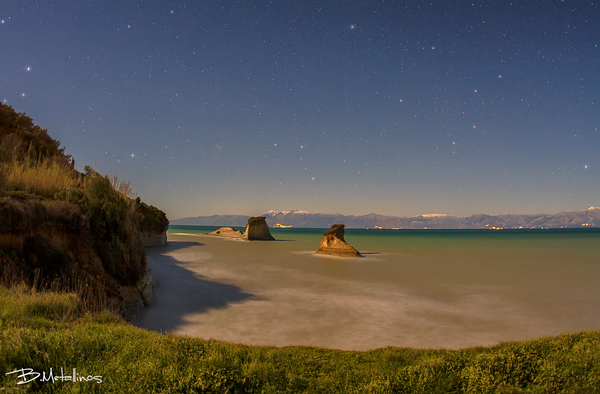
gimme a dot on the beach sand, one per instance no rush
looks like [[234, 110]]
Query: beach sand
[[280, 293]]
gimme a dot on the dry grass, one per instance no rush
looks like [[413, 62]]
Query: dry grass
[[45, 179], [122, 186]]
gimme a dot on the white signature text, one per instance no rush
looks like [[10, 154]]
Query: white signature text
[[29, 375]]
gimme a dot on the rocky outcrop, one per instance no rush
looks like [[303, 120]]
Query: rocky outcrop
[[227, 232], [135, 298], [146, 287], [333, 243], [258, 230], [152, 240]]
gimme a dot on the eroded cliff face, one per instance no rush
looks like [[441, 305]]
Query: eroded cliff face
[[333, 243], [54, 237], [153, 240]]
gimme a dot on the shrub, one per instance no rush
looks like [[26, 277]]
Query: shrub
[[114, 228], [152, 219]]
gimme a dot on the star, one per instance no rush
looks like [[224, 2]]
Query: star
[[352, 27]]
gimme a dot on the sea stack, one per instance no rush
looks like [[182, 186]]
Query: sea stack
[[258, 230], [333, 243]]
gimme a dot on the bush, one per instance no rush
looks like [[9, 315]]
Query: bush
[[114, 229], [153, 220], [21, 139]]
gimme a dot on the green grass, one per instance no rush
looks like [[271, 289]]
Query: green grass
[[48, 330]]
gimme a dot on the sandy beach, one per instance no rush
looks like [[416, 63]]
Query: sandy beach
[[280, 293]]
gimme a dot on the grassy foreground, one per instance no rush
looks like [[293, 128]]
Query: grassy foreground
[[50, 330]]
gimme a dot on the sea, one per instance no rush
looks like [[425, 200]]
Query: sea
[[412, 288]]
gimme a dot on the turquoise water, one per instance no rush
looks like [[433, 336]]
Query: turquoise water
[[418, 288], [567, 243]]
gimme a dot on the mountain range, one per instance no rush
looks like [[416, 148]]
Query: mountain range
[[588, 218]]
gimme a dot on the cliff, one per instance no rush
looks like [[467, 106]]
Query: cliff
[[66, 230], [151, 240], [53, 241]]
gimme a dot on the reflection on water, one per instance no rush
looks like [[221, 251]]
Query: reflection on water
[[419, 289]]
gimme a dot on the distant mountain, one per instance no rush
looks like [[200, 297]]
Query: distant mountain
[[303, 219]]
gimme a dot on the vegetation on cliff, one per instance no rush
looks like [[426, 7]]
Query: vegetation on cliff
[[61, 224]]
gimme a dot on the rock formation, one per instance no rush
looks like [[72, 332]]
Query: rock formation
[[226, 232], [152, 240], [333, 243], [257, 229]]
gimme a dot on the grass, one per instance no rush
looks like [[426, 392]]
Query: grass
[[44, 179], [43, 330]]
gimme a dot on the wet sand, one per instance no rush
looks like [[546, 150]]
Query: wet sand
[[280, 293]]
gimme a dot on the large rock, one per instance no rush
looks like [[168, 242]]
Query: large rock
[[333, 243], [226, 232], [146, 287], [257, 229], [135, 298]]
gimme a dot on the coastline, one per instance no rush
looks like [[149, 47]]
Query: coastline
[[282, 294]]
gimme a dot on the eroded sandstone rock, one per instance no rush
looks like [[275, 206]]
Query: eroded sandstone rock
[[257, 229], [227, 232], [333, 243]]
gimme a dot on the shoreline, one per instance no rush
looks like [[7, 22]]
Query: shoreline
[[278, 294]]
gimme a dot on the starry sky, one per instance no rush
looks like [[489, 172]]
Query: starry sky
[[392, 107]]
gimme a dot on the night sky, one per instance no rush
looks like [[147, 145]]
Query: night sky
[[392, 107]]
